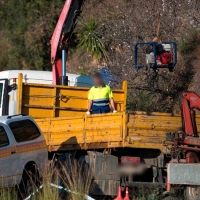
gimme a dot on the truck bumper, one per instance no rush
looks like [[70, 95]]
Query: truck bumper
[[184, 174]]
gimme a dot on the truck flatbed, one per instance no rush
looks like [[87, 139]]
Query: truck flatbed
[[60, 113], [123, 129]]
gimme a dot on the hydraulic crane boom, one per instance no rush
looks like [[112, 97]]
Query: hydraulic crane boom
[[62, 34], [185, 152], [188, 139], [190, 101]]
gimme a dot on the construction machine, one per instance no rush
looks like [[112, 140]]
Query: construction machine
[[131, 149], [184, 166]]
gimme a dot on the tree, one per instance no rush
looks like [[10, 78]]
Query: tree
[[90, 39], [27, 27]]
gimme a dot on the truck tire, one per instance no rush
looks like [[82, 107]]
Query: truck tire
[[192, 193], [29, 183]]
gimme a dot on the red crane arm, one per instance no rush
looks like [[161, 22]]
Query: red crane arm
[[190, 101], [55, 40], [188, 139], [62, 34], [56, 37]]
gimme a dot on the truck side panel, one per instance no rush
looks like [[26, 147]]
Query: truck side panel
[[104, 128], [135, 130], [62, 133], [41, 101], [82, 132], [149, 130]]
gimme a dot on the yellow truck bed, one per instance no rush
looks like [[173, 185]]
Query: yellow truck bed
[[60, 113], [41, 101], [135, 130]]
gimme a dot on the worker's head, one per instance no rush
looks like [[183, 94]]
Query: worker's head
[[97, 79]]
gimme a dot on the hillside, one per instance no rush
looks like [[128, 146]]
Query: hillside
[[114, 27]]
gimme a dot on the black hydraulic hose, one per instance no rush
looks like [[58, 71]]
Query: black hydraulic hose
[[74, 12]]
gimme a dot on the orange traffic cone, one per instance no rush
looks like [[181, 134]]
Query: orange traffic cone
[[127, 194], [119, 196]]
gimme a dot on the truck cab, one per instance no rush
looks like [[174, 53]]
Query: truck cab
[[22, 149]]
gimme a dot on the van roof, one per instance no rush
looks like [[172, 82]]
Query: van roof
[[33, 76], [8, 118]]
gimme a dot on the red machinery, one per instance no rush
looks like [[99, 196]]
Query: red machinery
[[183, 169], [188, 139], [190, 101], [61, 37]]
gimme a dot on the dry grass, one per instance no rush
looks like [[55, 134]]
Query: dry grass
[[69, 175], [78, 178], [8, 194]]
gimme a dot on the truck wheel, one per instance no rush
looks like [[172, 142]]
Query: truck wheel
[[29, 183], [192, 192]]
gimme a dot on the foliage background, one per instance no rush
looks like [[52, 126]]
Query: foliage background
[[113, 27]]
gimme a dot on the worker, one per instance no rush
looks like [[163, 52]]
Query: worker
[[99, 97]]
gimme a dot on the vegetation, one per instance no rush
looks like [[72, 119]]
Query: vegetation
[[190, 42], [68, 176], [7, 194], [106, 33], [80, 183], [90, 40], [25, 28]]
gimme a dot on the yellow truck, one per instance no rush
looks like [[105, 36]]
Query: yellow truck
[[60, 113], [124, 148]]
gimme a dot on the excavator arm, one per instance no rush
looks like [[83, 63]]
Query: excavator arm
[[62, 34]]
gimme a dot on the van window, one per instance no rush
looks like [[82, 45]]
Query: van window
[[1, 92], [3, 137], [24, 130]]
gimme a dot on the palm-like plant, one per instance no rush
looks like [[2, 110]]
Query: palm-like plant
[[90, 39]]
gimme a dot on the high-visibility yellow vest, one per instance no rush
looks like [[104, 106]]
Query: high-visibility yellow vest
[[100, 95]]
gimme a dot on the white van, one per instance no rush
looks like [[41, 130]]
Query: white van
[[45, 77]]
